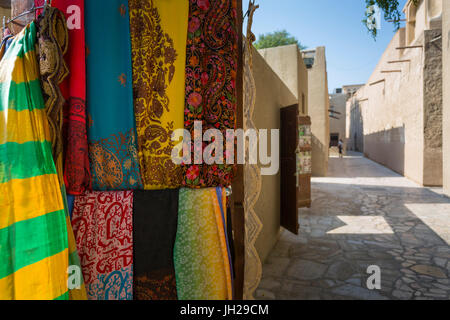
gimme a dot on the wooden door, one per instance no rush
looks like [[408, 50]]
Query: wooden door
[[288, 167]]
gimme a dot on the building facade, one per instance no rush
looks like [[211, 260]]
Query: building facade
[[337, 116], [287, 63], [398, 113], [318, 108], [272, 94], [338, 113]]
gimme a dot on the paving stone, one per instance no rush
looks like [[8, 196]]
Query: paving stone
[[302, 293], [354, 281], [434, 295], [442, 286], [406, 271], [407, 280], [340, 270], [275, 267], [379, 254], [402, 294], [414, 262], [438, 291], [306, 270], [264, 295], [327, 283], [444, 281], [358, 292], [281, 249], [406, 264], [429, 270], [440, 262], [269, 283]]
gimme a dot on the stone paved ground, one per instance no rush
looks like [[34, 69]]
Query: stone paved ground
[[364, 214]]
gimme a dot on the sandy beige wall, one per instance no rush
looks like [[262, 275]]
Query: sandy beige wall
[[318, 105], [283, 61], [354, 130], [302, 84], [338, 126], [401, 107], [287, 63], [446, 94], [271, 95], [393, 112]]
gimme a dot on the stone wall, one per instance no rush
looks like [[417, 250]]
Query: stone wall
[[446, 94], [432, 108], [271, 95]]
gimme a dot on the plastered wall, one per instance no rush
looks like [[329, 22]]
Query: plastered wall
[[401, 109], [318, 105], [271, 95], [446, 94]]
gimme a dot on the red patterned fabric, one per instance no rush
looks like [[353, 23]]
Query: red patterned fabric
[[211, 69], [103, 228], [77, 175]]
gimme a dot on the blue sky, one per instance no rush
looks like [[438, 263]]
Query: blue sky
[[352, 54]]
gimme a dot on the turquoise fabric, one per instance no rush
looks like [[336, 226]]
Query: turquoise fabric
[[111, 127]]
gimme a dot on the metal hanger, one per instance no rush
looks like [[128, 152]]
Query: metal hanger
[[47, 3]]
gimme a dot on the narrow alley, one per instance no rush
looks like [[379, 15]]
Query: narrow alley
[[362, 215]]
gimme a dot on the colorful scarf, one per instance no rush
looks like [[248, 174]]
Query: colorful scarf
[[111, 131], [76, 160], [103, 227], [155, 226], [53, 43], [211, 68], [33, 232], [53, 40], [159, 55], [202, 262]]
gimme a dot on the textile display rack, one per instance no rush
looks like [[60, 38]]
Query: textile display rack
[[93, 202]]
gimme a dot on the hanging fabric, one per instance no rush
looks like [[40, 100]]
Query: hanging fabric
[[155, 226], [70, 201], [6, 42], [201, 255], [211, 66], [53, 43], [159, 55], [111, 124], [103, 227], [33, 230], [77, 175]]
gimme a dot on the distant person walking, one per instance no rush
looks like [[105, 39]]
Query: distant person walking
[[340, 146]]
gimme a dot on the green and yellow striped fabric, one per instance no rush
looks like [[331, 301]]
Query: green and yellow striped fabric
[[34, 254]]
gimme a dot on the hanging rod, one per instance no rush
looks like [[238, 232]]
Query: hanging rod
[[33, 9]]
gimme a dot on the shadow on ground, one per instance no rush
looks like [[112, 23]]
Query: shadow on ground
[[359, 219]]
